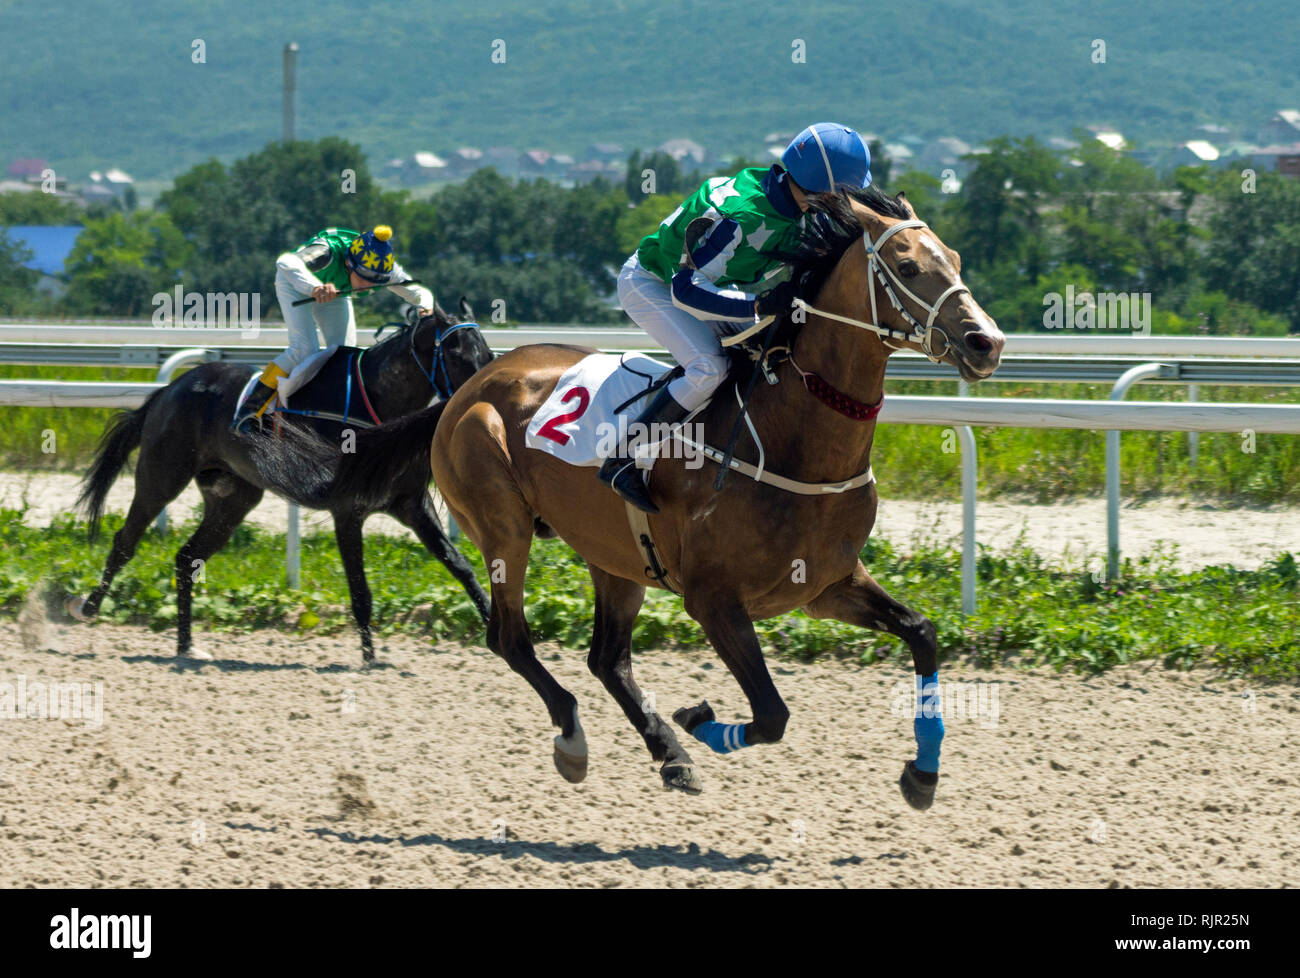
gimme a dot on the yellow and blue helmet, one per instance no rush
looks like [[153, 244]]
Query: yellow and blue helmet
[[371, 256]]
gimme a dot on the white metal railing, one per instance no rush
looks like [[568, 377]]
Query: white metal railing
[[183, 346], [956, 412], [628, 338]]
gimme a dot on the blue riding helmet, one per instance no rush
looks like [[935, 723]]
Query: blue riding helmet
[[371, 256], [827, 155]]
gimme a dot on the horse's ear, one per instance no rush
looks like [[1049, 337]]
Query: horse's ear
[[466, 310], [907, 205]]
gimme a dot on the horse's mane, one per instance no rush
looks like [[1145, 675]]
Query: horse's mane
[[831, 227]]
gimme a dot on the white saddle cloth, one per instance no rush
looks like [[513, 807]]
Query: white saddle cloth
[[578, 421]]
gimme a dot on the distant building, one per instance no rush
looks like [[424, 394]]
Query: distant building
[[503, 159], [1195, 152], [683, 150], [589, 170], [111, 184], [900, 156], [27, 169], [534, 162], [1281, 130], [605, 153], [1108, 137], [427, 166], [417, 169], [943, 153], [50, 247], [465, 160], [1237, 150], [1282, 158]]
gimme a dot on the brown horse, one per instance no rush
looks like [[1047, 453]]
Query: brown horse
[[755, 550]]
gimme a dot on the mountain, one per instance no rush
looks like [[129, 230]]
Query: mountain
[[86, 85]]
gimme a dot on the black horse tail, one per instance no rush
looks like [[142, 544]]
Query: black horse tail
[[120, 439], [394, 454], [367, 468]]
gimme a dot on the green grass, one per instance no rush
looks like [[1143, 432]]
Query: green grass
[[75, 430], [1238, 622], [909, 460]]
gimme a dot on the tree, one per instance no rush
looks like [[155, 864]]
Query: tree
[[634, 223], [17, 282], [242, 218], [545, 251], [1254, 243], [35, 208], [120, 262], [999, 214]]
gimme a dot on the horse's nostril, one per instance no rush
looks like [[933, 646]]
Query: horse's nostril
[[977, 342]]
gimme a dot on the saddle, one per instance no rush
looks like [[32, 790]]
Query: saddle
[[327, 385]]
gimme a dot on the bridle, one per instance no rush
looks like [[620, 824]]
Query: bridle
[[437, 375], [927, 335]]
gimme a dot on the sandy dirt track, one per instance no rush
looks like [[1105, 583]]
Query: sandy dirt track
[[252, 770], [1072, 531]]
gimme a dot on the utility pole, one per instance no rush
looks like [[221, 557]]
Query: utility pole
[[290, 65]]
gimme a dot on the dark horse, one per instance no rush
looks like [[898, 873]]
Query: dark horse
[[872, 279], [184, 432]]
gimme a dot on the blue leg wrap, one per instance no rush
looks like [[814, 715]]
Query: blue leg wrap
[[722, 738], [928, 724]]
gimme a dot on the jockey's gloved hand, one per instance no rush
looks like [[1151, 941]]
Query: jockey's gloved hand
[[776, 300]]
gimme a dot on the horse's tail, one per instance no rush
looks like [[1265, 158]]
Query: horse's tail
[[120, 439], [396, 452], [364, 469]]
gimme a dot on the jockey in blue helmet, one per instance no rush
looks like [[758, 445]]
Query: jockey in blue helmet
[[686, 306]]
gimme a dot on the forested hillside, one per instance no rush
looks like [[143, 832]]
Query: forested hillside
[[87, 86]]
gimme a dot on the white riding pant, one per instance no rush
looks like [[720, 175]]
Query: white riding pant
[[692, 342], [337, 323]]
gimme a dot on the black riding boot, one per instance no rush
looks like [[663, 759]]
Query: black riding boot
[[620, 473], [258, 398]]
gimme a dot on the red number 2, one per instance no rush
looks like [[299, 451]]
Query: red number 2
[[584, 400]]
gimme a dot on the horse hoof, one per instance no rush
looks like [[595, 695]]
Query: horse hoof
[[571, 767], [194, 653], [682, 777], [690, 717], [918, 786], [74, 605]]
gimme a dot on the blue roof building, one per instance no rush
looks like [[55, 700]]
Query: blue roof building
[[50, 245]]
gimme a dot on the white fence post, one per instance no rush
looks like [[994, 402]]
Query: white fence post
[[292, 549], [1130, 377], [969, 481]]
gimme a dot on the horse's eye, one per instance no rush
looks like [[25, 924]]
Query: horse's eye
[[909, 269]]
